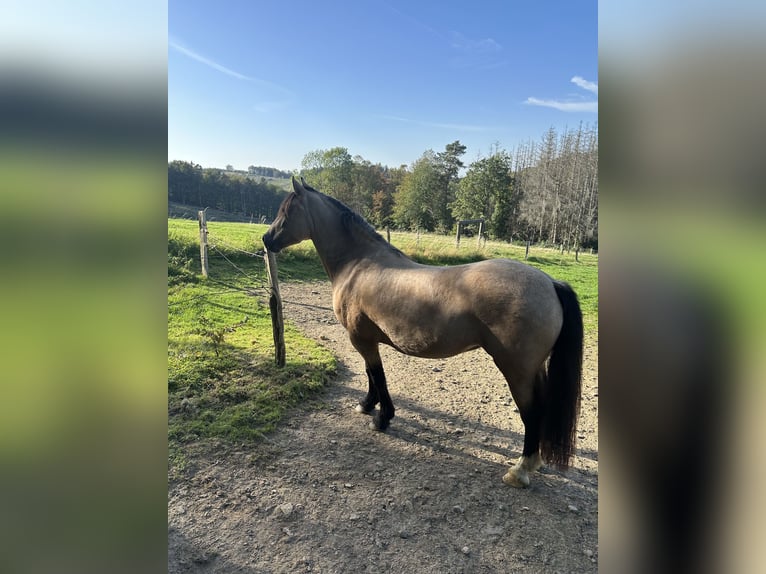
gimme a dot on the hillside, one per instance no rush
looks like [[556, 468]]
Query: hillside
[[182, 211]]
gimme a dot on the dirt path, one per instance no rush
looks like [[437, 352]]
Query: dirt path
[[326, 494]]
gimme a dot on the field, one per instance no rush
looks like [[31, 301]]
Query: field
[[222, 381], [270, 469]]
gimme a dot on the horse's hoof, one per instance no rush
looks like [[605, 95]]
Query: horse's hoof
[[364, 411], [378, 426], [535, 463], [516, 479]]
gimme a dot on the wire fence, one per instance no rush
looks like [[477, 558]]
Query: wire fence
[[256, 284]]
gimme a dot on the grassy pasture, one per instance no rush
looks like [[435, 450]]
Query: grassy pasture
[[300, 263], [222, 381]]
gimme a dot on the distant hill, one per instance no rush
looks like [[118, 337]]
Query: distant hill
[[181, 211], [231, 195], [268, 172], [280, 181]]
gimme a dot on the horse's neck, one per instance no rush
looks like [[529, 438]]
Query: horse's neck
[[336, 249]]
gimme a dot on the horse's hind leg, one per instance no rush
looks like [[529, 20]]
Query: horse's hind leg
[[367, 404], [378, 389], [526, 391]]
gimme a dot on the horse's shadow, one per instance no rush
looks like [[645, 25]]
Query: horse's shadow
[[474, 442]]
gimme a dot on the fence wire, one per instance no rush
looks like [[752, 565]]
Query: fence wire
[[258, 284]]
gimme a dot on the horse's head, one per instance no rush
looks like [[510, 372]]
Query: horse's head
[[292, 224]]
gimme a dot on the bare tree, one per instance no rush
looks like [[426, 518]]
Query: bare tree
[[557, 180]]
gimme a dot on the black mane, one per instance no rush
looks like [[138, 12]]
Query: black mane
[[285, 205], [353, 222]]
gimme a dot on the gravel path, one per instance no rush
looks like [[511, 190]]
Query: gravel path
[[324, 493]]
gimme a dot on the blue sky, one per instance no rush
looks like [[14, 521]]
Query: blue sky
[[266, 82]]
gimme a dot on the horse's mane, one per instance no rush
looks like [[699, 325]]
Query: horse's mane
[[353, 222], [285, 205]]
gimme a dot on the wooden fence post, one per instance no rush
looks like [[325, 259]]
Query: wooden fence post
[[275, 307], [203, 241], [461, 231]]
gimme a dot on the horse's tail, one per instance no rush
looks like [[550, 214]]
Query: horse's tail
[[564, 377]]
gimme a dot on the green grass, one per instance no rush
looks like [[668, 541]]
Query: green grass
[[222, 380], [300, 262]]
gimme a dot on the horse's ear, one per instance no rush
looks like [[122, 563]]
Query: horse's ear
[[297, 187], [306, 186]]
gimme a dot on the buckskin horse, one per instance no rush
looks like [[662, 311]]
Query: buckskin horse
[[530, 324]]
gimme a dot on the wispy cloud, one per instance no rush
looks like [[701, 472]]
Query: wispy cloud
[[570, 105], [188, 52], [279, 95], [564, 106], [585, 84], [468, 45], [464, 52], [411, 20], [443, 126], [479, 53]]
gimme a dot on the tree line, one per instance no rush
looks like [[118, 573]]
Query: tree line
[[191, 184], [543, 191]]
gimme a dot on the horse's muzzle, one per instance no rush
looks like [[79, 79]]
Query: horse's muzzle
[[268, 242]]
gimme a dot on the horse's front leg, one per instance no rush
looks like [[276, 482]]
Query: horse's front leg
[[377, 388], [386, 413]]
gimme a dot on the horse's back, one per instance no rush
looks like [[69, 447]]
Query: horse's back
[[440, 311], [510, 295]]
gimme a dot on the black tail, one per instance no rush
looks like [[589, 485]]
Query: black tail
[[562, 394]]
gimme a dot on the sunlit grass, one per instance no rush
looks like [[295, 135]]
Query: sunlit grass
[[300, 262], [223, 383]]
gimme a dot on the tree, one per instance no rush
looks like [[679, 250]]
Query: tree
[[184, 182], [366, 180], [557, 182], [449, 165], [330, 171], [502, 224], [414, 199], [486, 192], [229, 167], [190, 184], [449, 159], [424, 196], [382, 214]]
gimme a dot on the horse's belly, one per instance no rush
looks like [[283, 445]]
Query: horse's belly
[[438, 353], [429, 345]]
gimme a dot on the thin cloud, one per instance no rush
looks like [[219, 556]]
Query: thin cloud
[[585, 84], [266, 107], [279, 96], [413, 21], [570, 105], [481, 46], [444, 126], [480, 53], [564, 106], [208, 62]]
